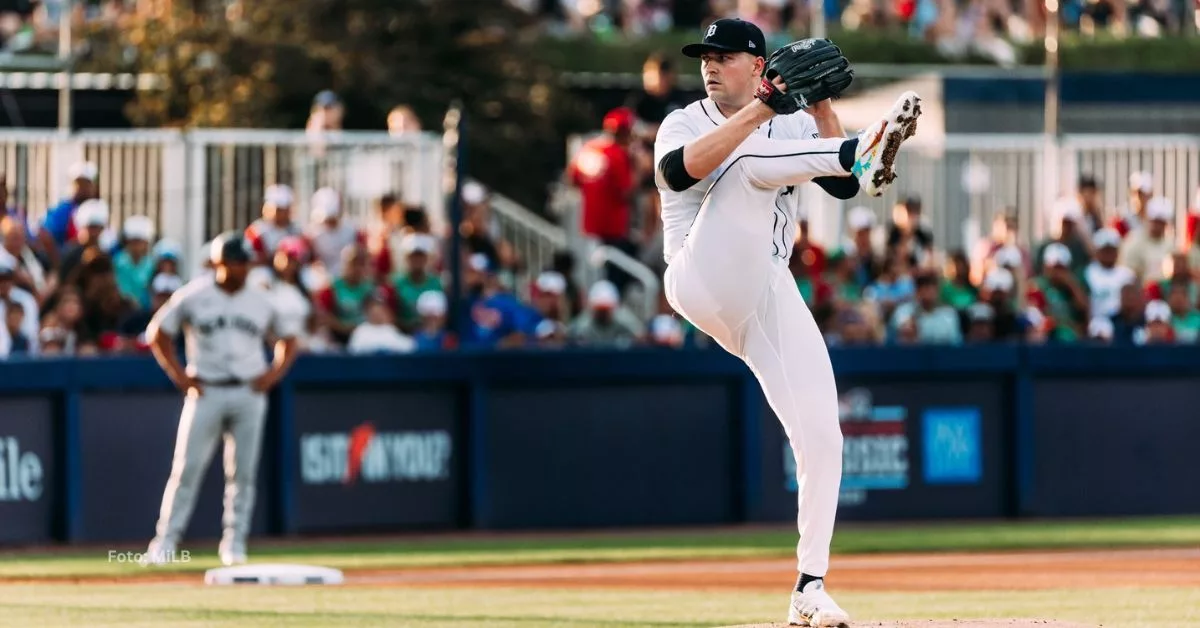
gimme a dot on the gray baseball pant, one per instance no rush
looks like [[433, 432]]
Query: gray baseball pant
[[239, 414]]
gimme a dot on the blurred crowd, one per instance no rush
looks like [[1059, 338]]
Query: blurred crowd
[[983, 27], [80, 280], [1106, 275]]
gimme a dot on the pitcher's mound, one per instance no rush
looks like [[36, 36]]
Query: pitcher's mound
[[947, 623]]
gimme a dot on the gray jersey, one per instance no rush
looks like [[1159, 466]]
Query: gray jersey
[[224, 332]]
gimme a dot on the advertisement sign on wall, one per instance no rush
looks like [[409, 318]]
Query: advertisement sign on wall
[[27, 470], [375, 459], [910, 450], [128, 441]]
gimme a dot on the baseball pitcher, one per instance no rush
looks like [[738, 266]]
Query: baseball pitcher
[[726, 170], [225, 323]]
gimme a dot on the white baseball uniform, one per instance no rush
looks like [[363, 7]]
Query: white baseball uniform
[[727, 241], [1105, 286], [224, 336]]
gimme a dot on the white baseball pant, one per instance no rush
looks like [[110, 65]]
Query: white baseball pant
[[727, 283], [239, 414]]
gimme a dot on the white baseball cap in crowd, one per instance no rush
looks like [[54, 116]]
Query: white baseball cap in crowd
[[473, 193], [980, 312], [1056, 254], [138, 228], [551, 282], [326, 204], [91, 213], [1142, 182], [1100, 327], [603, 295], [83, 170], [1158, 311], [998, 279], [165, 283], [1107, 238], [479, 262], [1159, 208], [1068, 208], [279, 195], [859, 218], [665, 329], [418, 243], [546, 328], [167, 248], [1008, 256], [431, 303]]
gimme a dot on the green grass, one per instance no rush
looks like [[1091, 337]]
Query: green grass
[[626, 546], [183, 605]]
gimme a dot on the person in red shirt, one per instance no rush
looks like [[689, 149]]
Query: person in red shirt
[[603, 171]]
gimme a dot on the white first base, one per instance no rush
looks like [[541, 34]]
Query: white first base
[[268, 574]]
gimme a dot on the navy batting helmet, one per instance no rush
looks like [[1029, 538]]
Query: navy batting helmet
[[230, 247]]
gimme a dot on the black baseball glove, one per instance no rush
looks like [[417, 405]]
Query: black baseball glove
[[813, 70]]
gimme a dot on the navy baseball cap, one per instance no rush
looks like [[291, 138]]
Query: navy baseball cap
[[729, 35]]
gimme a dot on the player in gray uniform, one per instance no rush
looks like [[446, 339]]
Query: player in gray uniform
[[225, 323]]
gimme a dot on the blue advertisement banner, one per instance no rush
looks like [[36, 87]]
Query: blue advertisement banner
[[911, 450], [28, 470], [636, 454], [127, 441]]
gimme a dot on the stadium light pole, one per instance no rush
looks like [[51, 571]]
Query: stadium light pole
[[66, 62], [1052, 69]]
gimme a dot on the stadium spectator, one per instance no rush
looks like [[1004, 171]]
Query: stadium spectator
[[851, 326], [1158, 330], [378, 332], [480, 231], [894, 285], [999, 291], [549, 297], [1185, 320], [329, 233], [90, 220], [1092, 204], [957, 290], [431, 335], [665, 331], [340, 304], [806, 264], [981, 324], [1100, 330], [1193, 228], [166, 254], [402, 120], [18, 340], [8, 209], [868, 265], [26, 301], [906, 233], [550, 334], [326, 114], [563, 263], [1131, 317], [1002, 237], [387, 234], [133, 327], [492, 316], [104, 306], [1146, 248], [658, 96], [1068, 228], [926, 319], [844, 282], [275, 224], [1175, 268], [813, 254], [58, 227], [1058, 293], [416, 279], [30, 274], [603, 171], [1131, 217], [1103, 277], [133, 262], [606, 323], [290, 282]]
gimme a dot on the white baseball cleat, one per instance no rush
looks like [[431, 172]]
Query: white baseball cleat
[[875, 157], [815, 608], [231, 553], [158, 553]]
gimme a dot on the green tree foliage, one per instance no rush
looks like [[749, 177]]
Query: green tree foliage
[[262, 68]]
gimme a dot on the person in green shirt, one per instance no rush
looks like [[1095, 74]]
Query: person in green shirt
[[133, 264], [341, 304], [1065, 298], [957, 291], [843, 276], [1185, 320], [415, 279]]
